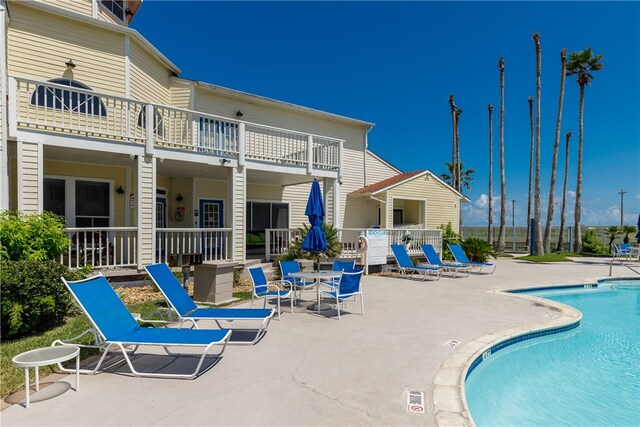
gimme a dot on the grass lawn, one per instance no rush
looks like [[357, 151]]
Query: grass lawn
[[552, 257]]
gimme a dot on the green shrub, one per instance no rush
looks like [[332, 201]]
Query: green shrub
[[448, 237], [31, 236], [591, 244], [33, 298], [477, 250]]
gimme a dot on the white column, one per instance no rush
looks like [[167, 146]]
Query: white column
[[310, 154], [146, 206], [238, 199], [241, 143], [149, 113], [29, 177], [4, 158], [337, 219]]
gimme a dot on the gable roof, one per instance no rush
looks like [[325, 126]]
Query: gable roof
[[394, 181], [386, 162]]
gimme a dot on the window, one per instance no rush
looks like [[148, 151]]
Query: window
[[116, 7], [92, 204], [68, 99], [263, 215], [53, 196], [158, 123]]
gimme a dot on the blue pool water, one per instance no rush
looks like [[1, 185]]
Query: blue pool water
[[588, 376]]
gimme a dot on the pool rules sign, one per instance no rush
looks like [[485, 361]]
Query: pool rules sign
[[377, 253]]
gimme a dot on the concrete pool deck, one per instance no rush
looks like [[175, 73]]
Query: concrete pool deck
[[313, 370]]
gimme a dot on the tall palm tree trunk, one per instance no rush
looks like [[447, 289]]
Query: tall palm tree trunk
[[490, 226], [458, 170], [531, 145], [556, 147], [503, 184], [539, 250], [564, 195], [454, 151], [577, 236]]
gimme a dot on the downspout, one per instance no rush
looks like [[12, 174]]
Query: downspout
[[364, 156], [4, 157]]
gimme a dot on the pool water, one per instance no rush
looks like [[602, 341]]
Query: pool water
[[589, 376]]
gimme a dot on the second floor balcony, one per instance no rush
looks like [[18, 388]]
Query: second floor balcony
[[67, 107]]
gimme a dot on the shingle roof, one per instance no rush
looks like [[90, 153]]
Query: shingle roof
[[389, 182]]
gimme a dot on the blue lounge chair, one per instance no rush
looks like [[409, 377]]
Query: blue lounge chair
[[187, 311], [406, 267], [261, 288], [114, 328], [434, 260], [461, 257], [288, 267], [348, 287]]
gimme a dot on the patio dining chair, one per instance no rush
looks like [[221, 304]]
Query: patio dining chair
[[406, 267], [299, 284], [262, 286], [349, 286], [434, 260], [180, 303], [341, 265], [114, 328]]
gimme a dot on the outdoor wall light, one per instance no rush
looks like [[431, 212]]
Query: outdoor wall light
[[239, 114], [179, 198], [120, 191], [223, 161], [70, 65]]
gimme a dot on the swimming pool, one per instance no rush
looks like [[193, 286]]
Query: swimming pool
[[586, 376]]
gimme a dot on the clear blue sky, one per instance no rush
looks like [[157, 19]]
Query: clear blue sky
[[395, 64]]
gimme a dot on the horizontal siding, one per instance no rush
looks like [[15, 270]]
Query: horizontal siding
[[180, 95], [378, 170], [239, 208], [29, 187], [149, 77], [82, 7], [442, 203], [39, 46], [147, 200]]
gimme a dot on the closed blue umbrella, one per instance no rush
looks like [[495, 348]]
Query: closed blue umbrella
[[638, 233], [316, 241]]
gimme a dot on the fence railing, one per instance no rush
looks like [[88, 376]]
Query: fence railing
[[56, 107], [279, 240], [212, 244], [101, 247]]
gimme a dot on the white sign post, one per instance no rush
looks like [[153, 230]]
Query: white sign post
[[378, 241]]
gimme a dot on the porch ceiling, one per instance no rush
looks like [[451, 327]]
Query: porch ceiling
[[276, 178], [182, 169]]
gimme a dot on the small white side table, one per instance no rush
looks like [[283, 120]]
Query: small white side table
[[43, 357]]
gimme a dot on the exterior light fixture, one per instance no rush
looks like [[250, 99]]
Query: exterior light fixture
[[223, 161], [179, 198], [120, 191], [70, 65], [239, 114]]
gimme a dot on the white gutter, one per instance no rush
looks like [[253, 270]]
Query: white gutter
[[4, 158]]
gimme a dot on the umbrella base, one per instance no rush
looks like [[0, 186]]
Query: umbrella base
[[320, 307]]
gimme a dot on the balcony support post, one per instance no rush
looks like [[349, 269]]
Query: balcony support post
[[242, 141], [13, 106], [149, 128], [310, 155], [340, 158]]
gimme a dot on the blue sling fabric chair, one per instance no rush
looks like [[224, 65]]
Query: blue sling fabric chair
[[461, 257], [406, 267], [348, 287], [288, 267], [114, 328], [261, 288], [341, 265], [434, 260], [187, 310]]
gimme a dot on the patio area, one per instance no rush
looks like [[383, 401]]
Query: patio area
[[313, 370]]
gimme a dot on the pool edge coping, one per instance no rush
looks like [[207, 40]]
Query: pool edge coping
[[448, 398]]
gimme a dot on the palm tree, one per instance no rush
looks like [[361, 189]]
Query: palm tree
[[539, 249], [556, 147], [626, 230], [489, 228], [612, 232], [564, 195], [454, 151], [531, 145], [458, 161], [581, 64], [465, 175], [503, 184]]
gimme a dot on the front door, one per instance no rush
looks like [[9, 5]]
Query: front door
[[161, 222], [212, 216]]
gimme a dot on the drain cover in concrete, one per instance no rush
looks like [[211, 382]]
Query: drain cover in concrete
[[451, 343], [415, 402]]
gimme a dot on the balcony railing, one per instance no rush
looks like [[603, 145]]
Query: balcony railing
[[101, 247], [58, 108], [279, 240], [173, 244]]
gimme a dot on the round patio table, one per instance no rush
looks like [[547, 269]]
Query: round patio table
[[43, 357], [317, 276]]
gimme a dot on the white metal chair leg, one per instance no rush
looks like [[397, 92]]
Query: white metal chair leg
[[278, 306], [362, 304]]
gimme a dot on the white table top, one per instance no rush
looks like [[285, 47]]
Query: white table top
[[46, 356], [316, 274]]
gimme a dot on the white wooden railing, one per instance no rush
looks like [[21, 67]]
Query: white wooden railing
[[172, 244], [101, 247], [278, 240], [53, 107]]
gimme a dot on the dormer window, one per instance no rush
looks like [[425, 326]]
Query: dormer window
[[116, 7], [53, 97]]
